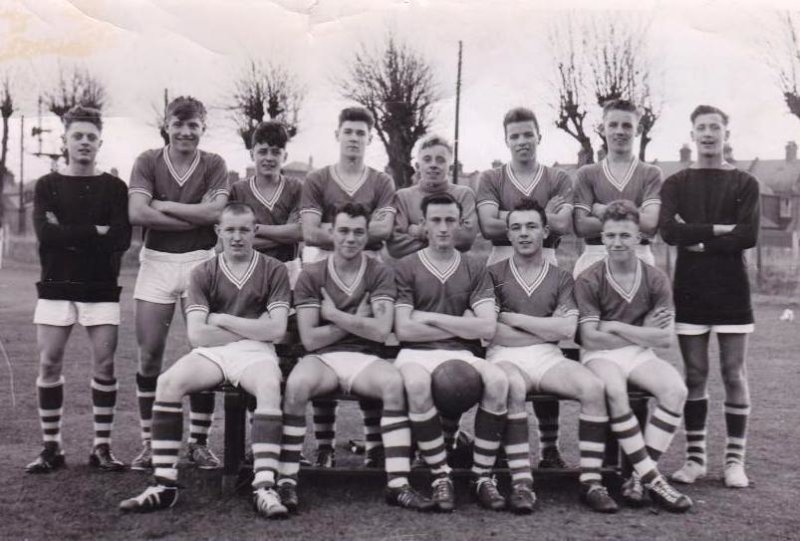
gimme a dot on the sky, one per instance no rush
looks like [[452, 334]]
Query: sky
[[702, 52]]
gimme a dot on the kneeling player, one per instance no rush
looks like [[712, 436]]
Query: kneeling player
[[445, 306], [537, 309], [238, 306], [344, 314], [625, 311]]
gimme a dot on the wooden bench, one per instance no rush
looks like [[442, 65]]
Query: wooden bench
[[236, 401]]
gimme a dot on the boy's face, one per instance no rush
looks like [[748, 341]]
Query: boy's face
[[709, 133], [237, 232], [522, 138], [353, 137], [184, 135], [82, 141], [349, 235], [268, 159], [433, 164], [441, 223], [620, 238], [620, 129], [526, 232]]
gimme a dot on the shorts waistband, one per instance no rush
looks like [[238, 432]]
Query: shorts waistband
[[186, 257]]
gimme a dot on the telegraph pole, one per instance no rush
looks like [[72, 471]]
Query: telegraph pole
[[21, 175], [458, 107]]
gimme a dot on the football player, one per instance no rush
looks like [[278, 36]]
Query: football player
[[237, 308]]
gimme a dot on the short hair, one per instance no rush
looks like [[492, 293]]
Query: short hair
[[620, 104], [620, 211], [520, 114], [434, 141], [528, 204], [81, 113], [709, 110], [238, 208], [353, 210], [439, 199], [186, 107], [356, 114], [271, 133]]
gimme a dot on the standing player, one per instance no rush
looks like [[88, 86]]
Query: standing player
[[625, 311], [81, 222], [237, 308], [711, 212], [537, 310], [620, 175], [345, 309], [445, 306], [434, 157], [274, 197], [499, 191], [349, 180], [176, 194]]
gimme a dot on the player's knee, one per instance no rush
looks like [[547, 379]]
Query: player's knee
[[517, 391], [418, 389], [104, 367], [673, 397], [297, 390], [734, 375], [495, 384], [149, 363], [268, 392], [616, 395], [169, 387], [591, 391], [392, 388]]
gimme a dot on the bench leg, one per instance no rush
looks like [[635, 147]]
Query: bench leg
[[235, 418]]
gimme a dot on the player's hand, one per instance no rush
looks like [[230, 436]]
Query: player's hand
[[102, 229], [51, 218], [555, 204], [326, 228], [607, 326], [598, 209], [421, 317], [679, 219], [208, 197], [659, 318], [468, 313], [418, 232], [697, 248], [365, 306], [561, 311], [214, 319], [723, 229], [159, 205], [328, 308]]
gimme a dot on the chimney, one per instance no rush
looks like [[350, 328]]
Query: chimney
[[791, 151], [727, 153], [496, 164], [686, 153]]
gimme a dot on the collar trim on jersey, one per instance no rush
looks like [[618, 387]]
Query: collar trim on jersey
[[515, 181], [181, 180], [238, 282], [347, 290], [620, 184], [529, 288], [349, 191], [637, 281], [269, 203], [442, 276]]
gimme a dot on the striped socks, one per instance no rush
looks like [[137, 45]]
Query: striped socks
[[324, 422], [736, 424], [592, 432], [518, 448], [294, 434], [660, 430], [51, 408], [626, 429], [104, 399], [489, 429], [396, 437], [428, 434], [371, 410], [145, 396], [547, 413], [695, 412], [266, 444], [167, 430], [201, 415]]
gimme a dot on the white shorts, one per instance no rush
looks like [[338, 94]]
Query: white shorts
[[628, 358], [501, 253], [347, 365], [534, 361], [593, 253], [429, 359], [67, 313], [692, 329], [163, 277], [234, 358], [312, 254]]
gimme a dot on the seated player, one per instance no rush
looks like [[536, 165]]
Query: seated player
[[345, 311], [81, 222], [537, 310], [626, 310], [445, 307], [237, 307]]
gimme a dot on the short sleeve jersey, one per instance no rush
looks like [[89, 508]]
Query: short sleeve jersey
[[552, 289], [215, 289], [373, 277], [464, 284], [595, 183], [280, 209], [155, 176], [500, 187], [601, 298]]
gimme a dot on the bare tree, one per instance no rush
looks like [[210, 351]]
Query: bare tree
[[266, 90], [160, 116], [74, 87], [397, 85], [6, 110], [782, 48], [570, 84]]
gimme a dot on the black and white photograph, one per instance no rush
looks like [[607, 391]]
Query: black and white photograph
[[402, 270]]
